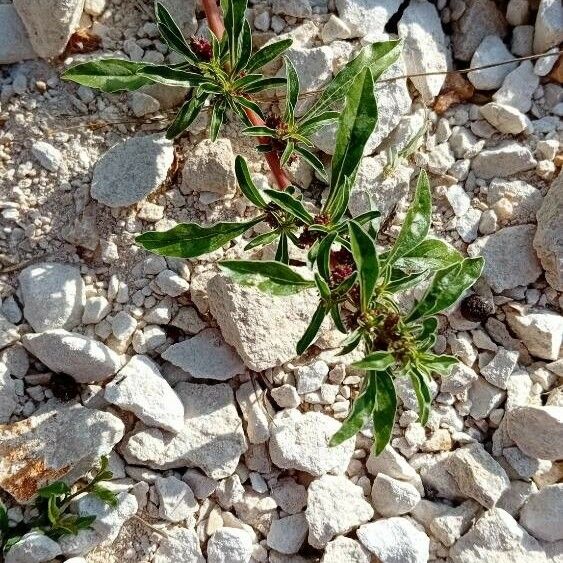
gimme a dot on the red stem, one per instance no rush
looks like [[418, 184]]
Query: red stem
[[215, 22]]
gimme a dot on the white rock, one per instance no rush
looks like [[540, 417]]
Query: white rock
[[33, 547], [8, 332], [311, 377], [541, 515], [140, 388], [212, 438], [287, 534], [129, 171], [537, 431], [491, 50], [176, 501], [300, 441], [518, 87], [290, 496], [85, 359], [365, 17], [294, 8], [334, 29], [540, 330], [30, 457], [14, 42], [49, 39], [460, 378], [510, 259], [499, 369], [435, 477], [391, 463], [525, 198], [47, 155], [468, 225], [94, 7], [395, 540], [8, 397], [425, 47], [264, 329], [142, 104], [313, 66], [343, 549], [53, 296], [506, 159], [391, 497], [522, 39], [171, 283], [496, 536], [206, 355], [95, 309], [123, 325], [180, 544], [477, 474], [335, 506], [229, 545], [458, 199], [505, 118], [286, 396], [256, 411], [549, 25]]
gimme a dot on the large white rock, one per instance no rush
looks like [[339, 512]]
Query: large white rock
[[518, 87], [500, 368], [176, 501], [264, 329], [391, 497], [129, 171], [300, 441], [548, 241], [390, 462], [345, 549], [206, 355], [211, 439], [335, 506], [85, 359], [491, 50], [49, 23], [497, 537], [8, 397], [14, 42], [425, 47], [504, 160], [59, 443], [229, 545], [505, 118], [180, 544], [33, 547], [537, 431], [365, 17], [140, 388], [53, 296], [395, 540], [286, 535], [541, 515], [509, 255], [525, 198], [549, 25], [313, 66]]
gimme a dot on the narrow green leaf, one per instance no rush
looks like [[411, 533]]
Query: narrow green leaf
[[85, 522], [267, 275], [189, 240], [384, 410], [108, 75], [56, 489], [313, 328], [377, 361], [350, 343], [245, 46], [246, 80], [447, 287], [312, 159], [292, 92], [216, 121], [249, 104], [400, 281], [337, 318], [265, 84], [267, 54], [323, 288], [293, 206], [359, 414], [309, 125], [417, 222], [105, 495], [259, 131], [431, 254], [172, 34], [233, 18], [323, 255], [423, 396], [171, 76], [262, 240], [367, 263], [282, 252], [440, 364], [345, 286], [4, 522], [186, 116], [53, 512], [246, 184]]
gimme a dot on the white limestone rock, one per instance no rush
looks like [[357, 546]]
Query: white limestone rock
[[541, 515], [229, 545], [140, 388], [491, 50], [286, 535], [509, 255], [129, 171], [335, 506], [8, 397], [180, 544], [391, 497], [425, 47], [176, 501], [390, 462], [14, 41], [365, 17], [345, 549], [8, 332], [537, 430], [313, 66], [206, 355], [48, 156], [505, 118], [518, 87], [85, 359], [500, 368], [504, 160], [211, 439], [53, 295], [395, 540], [33, 547], [300, 441], [256, 411], [525, 198], [460, 378], [549, 25]]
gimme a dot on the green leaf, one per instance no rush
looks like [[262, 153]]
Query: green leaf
[[216, 121], [350, 343], [423, 395], [356, 124], [440, 364], [267, 54], [384, 410], [428, 327], [105, 495], [377, 361], [262, 240], [248, 104], [265, 84], [323, 255], [312, 159], [360, 412], [293, 206], [189, 240], [292, 91], [430, 254], [267, 275], [311, 124], [53, 512], [287, 152], [400, 281], [172, 76], [417, 222], [447, 287], [337, 318], [172, 34], [313, 328], [233, 18], [282, 252], [108, 75], [85, 522], [377, 57], [345, 286], [186, 116], [246, 184], [245, 46], [259, 131], [323, 288], [367, 264], [56, 489], [336, 208]]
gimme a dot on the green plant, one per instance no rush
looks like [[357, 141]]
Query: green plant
[[52, 503], [357, 285]]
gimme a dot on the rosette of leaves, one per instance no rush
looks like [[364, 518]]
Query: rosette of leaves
[[52, 503], [223, 74]]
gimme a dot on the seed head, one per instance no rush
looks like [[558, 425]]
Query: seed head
[[201, 47], [476, 309]]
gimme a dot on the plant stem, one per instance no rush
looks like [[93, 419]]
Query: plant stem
[[215, 22]]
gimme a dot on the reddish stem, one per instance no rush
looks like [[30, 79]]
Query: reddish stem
[[215, 22]]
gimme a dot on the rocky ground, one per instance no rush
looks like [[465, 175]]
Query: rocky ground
[[216, 432]]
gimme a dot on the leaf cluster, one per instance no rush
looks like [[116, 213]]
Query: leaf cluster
[[52, 503]]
